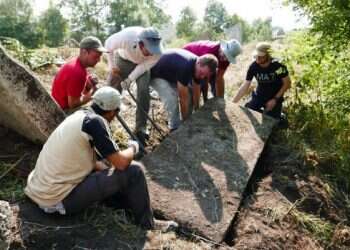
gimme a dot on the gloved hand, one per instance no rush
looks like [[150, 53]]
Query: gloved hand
[[135, 145], [93, 79], [126, 83]]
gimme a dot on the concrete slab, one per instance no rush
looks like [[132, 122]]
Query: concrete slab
[[198, 174], [25, 105]]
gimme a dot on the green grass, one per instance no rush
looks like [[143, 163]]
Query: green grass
[[11, 187]]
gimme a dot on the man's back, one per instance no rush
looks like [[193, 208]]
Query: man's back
[[175, 65], [66, 158]]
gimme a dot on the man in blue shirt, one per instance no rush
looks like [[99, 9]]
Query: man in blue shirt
[[176, 77]]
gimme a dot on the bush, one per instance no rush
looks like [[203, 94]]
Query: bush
[[319, 107]]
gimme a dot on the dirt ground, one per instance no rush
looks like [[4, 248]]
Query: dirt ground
[[286, 206]]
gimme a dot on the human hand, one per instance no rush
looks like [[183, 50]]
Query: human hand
[[90, 83], [270, 104], [126, 83], [135, 145], [115, 71]]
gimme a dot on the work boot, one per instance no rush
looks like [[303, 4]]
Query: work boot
[[142, 136], [165, 225]]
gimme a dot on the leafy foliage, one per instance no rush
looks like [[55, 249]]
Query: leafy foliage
[[329, 18], [185, 27], [53, 26], [319, 107], [32, 58], [218, 24], [16, 20]]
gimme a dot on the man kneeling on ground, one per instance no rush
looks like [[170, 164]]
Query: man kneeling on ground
[[273, 81], [67, 178]]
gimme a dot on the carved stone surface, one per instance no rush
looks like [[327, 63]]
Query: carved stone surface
[[198, 174], [25, 105]]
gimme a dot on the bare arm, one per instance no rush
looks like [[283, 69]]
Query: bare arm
[[86, 96], [272, 102], [220, 83], [183, 95], [74, 102], [204, 90], [242, 91], [286, 85], [121, 159], [141, 68], [196, 94]]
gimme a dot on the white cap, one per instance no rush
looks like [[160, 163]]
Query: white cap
[[107, 98]]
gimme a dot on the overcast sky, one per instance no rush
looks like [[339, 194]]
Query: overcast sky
[[249, 10]]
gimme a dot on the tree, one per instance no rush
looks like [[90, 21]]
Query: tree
[[261, 30], [124, 13], [17, 21], [155, 13], [215, 16], [87, 17], [54, 26], [244, 27], [329, 18], [185, 25]]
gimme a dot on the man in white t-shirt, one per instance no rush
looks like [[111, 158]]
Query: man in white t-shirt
[[133, 51]]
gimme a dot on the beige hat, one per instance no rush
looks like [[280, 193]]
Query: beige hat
[[107, 98], [262, 49]]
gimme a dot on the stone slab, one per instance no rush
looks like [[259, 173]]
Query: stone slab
[[198, 174], [25, 105]]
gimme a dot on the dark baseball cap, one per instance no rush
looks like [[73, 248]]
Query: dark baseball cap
[[152, 40], [91, 42]]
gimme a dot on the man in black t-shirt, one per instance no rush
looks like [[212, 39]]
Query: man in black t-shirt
[[273, 81]]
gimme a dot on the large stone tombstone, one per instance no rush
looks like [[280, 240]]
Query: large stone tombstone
[[198, 174], [25, 105]]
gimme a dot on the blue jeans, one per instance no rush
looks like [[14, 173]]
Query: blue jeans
[[169, 97]]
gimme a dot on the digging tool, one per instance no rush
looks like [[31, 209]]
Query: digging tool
[[128, 130], [160, 131]]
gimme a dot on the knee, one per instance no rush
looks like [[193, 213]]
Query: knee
[[135, 172]]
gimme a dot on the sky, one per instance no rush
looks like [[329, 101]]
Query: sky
[[282, 16]]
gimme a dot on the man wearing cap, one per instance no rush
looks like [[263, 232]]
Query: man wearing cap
[[68, 178], [273, 81], [133, 52], [225, 52], [176, 78], [73, 86]]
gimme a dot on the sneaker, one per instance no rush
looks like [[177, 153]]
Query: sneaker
[[165, 225]]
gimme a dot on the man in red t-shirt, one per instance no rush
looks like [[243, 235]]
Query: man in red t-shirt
[[73, 86], [225, 52]]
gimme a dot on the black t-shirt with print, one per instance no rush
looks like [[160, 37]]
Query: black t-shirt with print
[[269, 79]]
